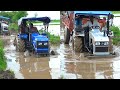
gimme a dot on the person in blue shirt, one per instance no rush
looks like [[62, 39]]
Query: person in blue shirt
[[78, 22]]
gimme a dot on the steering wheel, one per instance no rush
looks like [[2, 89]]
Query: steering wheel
[[95, 27]]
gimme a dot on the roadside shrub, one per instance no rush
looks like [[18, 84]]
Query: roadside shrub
[[13, 26], [53, 38], [116, 31], [3, 63]]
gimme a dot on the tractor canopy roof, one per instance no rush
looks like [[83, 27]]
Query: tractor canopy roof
[[93, 12], [43, 19], [5, 18]]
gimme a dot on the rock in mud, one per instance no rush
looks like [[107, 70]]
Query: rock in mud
[[52, 52], [27, 53]]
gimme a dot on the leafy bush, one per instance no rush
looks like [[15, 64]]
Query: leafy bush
[[116, 31], [53, 38], [13, 26], [3, 63]]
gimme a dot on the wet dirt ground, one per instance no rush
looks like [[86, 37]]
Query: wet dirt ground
[[66, 65]]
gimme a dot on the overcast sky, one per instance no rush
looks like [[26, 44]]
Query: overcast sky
[[51, 14]]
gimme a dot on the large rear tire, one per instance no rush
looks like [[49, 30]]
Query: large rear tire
[[20, 45], [77, 44], [66, 36]]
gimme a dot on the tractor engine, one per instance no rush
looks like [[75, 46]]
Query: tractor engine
[[99, 42], [40, 43]]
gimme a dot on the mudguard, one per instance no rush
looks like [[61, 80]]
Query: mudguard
[[22, 36]]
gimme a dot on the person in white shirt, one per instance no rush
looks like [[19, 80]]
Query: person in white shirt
[[91, 23], [111, 20]]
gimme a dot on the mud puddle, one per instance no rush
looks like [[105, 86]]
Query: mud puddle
[[32, 67], [75, 66]]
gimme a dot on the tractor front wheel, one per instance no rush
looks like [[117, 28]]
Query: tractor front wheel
[[21, 45], [77, 44]]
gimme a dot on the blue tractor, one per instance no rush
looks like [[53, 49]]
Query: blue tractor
[[35, 42]]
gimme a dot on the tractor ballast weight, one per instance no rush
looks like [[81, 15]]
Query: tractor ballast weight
[[91, 40], [33, 41]]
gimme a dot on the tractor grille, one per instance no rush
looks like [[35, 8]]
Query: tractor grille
[[101, 49], [42, 45]]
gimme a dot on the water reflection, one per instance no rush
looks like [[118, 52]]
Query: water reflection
[[75, 67]]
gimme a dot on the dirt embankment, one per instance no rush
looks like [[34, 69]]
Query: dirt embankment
[[7, 75]]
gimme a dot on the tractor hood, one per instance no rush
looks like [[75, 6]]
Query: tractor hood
[[96, 35], [5, 25], [37, 37], [41, 38]]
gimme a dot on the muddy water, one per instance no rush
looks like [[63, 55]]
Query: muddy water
[[32, 67], [76, 66], [67, 64]]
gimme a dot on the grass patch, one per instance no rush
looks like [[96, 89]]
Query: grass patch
[[116, 32], [53, 38], [13, 26], [55, 21], [3, 63], [115, 12]]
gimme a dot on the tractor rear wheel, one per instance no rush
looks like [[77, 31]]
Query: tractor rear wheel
[[20, 45], [77, 44], [66, 36]]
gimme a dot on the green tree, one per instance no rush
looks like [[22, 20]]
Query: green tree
[[14, 15]]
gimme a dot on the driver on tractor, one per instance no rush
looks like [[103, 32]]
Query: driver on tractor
[[32, 28], [91, 23]]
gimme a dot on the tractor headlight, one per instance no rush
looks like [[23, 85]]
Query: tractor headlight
[[106, 43], [45, 43], [39, 43], [97, 43]]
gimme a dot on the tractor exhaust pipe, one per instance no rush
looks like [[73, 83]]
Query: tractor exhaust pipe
[[108, 24], [104, 33]]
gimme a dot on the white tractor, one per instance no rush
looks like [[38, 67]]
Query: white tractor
[[92, 41], [4, 29]]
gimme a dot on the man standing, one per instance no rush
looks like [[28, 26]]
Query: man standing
[[111, 20], [46, 23]]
